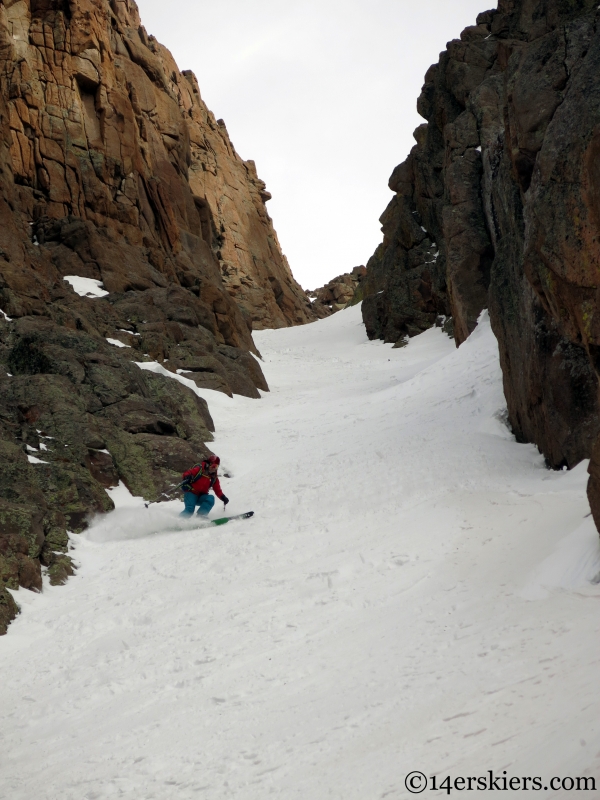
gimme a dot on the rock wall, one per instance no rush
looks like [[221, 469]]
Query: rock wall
[[338, 293], [113, 170], [106, 128], [498, 206]]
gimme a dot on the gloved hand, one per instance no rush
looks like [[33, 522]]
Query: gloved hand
[[225, 500]]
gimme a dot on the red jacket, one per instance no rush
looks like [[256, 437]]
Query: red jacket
[[204, 482]]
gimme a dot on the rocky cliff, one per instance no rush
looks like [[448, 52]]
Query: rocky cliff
[[338, 293], [130, 232], [498, 205]]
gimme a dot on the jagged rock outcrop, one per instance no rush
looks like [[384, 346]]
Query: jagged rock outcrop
[[107, 129], [498, 206], [405, 286], [255, 272], [113, 170], [338, 293]]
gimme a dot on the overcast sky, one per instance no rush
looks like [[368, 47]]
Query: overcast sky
[[322, 95]]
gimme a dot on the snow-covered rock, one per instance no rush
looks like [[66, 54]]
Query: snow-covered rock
[[86, 287]]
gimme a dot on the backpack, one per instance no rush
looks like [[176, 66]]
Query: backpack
[[186, 485]]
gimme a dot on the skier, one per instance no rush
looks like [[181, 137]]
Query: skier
[[197, 483]]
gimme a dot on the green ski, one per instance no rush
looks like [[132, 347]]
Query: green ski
[[225, 520]]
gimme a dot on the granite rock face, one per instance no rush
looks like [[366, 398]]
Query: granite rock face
[[497, 207], [405, 290], [338, 293], [105, 128], [113, 170]]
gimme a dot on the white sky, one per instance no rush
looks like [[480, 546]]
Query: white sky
[[322, 95]]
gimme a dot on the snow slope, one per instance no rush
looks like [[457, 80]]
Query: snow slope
[[415, 592]]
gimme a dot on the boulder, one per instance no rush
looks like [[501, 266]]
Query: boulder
[[340, 292]]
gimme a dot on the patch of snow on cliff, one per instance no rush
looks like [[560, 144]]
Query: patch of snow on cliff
[[86, 287], [210, 395], [34, 460]]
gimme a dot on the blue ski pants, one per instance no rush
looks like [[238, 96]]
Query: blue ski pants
[[205, 502]]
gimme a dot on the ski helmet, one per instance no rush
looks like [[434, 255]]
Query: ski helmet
[[214, 460]]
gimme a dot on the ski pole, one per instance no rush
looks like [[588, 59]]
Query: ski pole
[[168, 494]]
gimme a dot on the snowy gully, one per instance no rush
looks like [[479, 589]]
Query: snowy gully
[[415, 589]]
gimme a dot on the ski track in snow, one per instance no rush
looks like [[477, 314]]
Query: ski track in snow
[[415, 592]]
